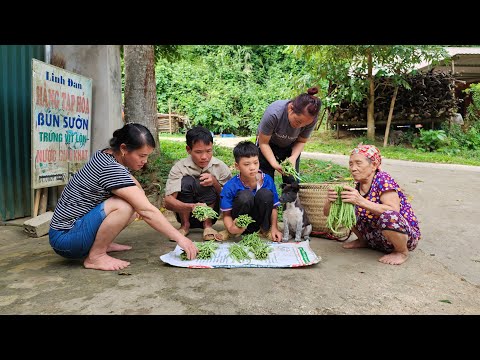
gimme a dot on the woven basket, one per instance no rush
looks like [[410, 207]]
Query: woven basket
[[313, 196]]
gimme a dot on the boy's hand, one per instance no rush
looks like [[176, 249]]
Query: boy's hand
[[276, 235], [234, 229]]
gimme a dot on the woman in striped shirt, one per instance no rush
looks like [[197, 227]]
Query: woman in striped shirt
[[102, 198]]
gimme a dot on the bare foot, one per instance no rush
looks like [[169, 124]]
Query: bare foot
[[355, 244], [118, 247], [105, 262], [395, 258]]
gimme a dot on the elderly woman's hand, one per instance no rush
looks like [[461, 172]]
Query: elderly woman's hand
[[331, 195], [351, 195]]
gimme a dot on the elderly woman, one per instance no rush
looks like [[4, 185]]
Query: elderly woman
[[385, 219]]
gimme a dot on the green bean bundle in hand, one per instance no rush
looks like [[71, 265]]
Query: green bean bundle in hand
[[341, 214], [205, 250], [289, 169], [203, 213], [242, 221]]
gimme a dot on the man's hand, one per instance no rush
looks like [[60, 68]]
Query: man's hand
[[207, 179]]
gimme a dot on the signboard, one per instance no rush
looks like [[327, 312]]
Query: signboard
[[61, 124]]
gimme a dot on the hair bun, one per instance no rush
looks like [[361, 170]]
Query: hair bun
[[312, 90]]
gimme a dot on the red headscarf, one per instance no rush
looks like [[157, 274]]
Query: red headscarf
[[369, 151]]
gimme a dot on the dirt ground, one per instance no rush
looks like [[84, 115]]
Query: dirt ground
[[442, 276]]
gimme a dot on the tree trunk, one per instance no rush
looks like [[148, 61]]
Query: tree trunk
[[390, 114], [140, 86], [370, 101]]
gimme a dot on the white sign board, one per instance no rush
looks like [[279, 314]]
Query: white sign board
[[61, 124]]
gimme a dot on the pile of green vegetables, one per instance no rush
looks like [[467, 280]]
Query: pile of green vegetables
[[203, 213], [342, 214], [205, 250], [250, 243], [242, 221], [289, 170]]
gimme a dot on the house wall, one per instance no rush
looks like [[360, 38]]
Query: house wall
[[102, 64]]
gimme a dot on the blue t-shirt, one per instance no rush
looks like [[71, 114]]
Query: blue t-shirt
[[234, 185]]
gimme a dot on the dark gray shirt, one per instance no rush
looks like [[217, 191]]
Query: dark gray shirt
[[275, 123]]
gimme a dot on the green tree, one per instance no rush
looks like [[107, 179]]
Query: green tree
[[353, 69]]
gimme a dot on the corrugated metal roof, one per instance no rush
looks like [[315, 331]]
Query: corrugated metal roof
[[453, 51], [463, 50]]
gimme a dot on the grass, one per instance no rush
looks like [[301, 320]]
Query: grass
[[326, 142]]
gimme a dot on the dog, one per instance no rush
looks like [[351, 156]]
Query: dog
[[295, 219]]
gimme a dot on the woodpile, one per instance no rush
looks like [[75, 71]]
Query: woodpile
[[171, 123], [430, 99]]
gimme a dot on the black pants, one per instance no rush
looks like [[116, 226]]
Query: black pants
[[258, 206], [192, 192], [280, 154]]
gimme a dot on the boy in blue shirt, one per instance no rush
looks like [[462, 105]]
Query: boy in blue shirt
[[251, 192]]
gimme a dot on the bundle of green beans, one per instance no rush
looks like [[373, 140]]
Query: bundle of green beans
[[257, 246], [242, 221], [289, 169], [203, 213], [238, 252], [341, 214], [251, 240], [205, 250]]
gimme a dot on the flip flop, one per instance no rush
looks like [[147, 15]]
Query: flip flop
[[267, 235], [225, 235], [209, 233], [181, 231]]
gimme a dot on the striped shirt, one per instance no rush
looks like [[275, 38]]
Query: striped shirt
[[90, 186]]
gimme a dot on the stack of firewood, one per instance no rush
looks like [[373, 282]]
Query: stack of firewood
[[431, 98]]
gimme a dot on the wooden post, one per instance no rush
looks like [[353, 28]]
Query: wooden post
[[390, 115], [43, 201], [170, 115], [52, 197], [36, 202]]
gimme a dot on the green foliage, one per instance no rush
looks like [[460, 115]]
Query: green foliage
[[227, 88], [430, 140], [460, 139], [473, 110]]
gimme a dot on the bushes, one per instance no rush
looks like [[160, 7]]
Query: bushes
[[226, 88]]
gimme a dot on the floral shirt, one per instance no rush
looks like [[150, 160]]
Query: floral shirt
[[382, 182]]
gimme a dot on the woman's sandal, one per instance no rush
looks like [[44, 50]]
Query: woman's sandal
[[181, 231], [209, 234]]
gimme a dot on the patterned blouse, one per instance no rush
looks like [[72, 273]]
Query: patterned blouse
[[382, 182]]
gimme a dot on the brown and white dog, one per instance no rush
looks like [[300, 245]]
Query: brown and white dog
[[295, 219]]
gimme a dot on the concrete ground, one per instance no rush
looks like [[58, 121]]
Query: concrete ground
[[442, 276], [37, 281]]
